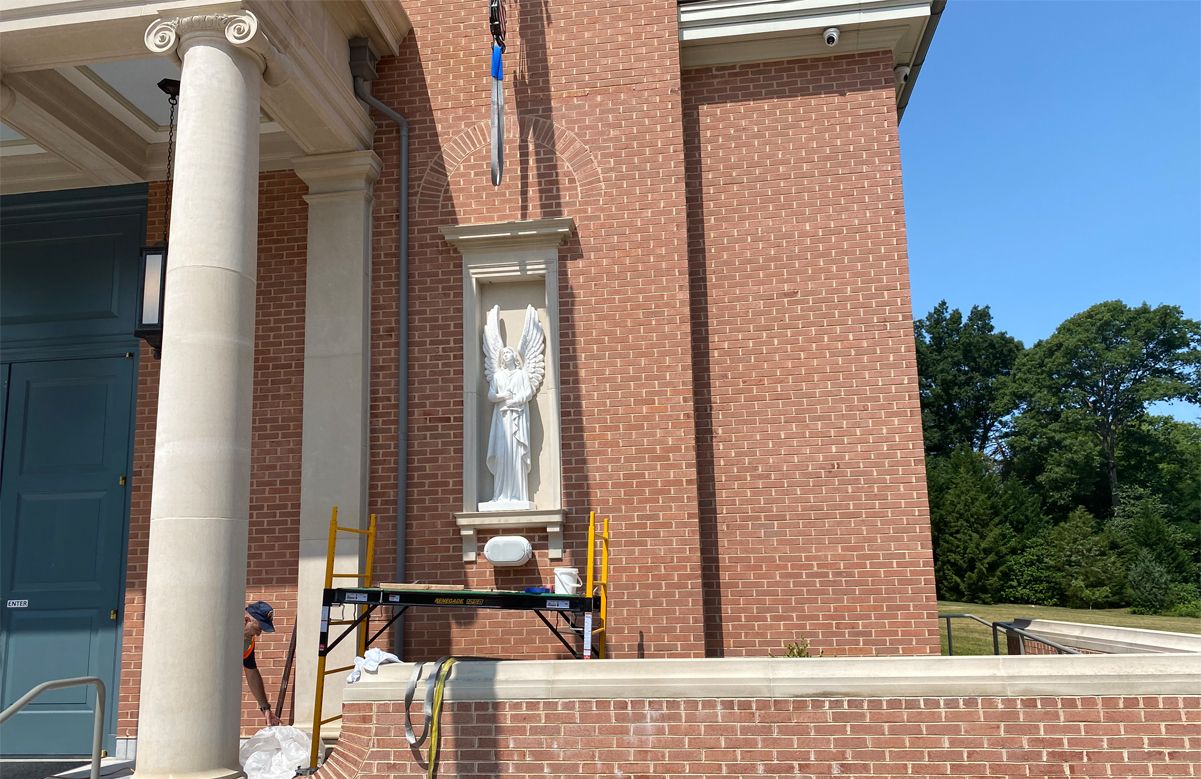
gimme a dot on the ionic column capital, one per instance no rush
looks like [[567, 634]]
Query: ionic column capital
[[241, 30]]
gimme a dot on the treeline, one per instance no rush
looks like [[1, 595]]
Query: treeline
[[1050, 481]]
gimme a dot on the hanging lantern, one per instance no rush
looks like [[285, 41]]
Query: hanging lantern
[[152, 269]]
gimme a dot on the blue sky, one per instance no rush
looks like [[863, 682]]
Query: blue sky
[[1052, 159]]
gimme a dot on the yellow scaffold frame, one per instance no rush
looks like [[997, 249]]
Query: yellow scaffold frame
[[599, 631], [330, 575], [594, 588]]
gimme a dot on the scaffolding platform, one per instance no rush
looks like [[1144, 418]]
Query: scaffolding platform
[[570, 611], [582, 617]]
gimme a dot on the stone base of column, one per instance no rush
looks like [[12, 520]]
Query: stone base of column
[[215, 773]]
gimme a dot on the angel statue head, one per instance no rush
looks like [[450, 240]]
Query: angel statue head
[[513, 376], [508, 359]]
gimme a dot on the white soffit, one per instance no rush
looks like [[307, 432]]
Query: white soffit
[[130, 94], [81, 91], [128, 90], [14, 144], [9, 134], [727, 32]]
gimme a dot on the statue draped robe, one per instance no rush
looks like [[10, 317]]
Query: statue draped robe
[[509, 439]]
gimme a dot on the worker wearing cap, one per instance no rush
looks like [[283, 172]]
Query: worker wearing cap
[[258, 619]]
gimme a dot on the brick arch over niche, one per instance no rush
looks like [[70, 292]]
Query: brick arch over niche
[[564, 144]]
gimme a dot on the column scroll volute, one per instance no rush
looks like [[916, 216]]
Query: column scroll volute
[[241, 30]]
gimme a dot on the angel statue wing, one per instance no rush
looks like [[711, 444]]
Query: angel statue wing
[[492, 343], [532, 349]]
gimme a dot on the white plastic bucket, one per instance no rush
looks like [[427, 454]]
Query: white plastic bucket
[[567, 581]]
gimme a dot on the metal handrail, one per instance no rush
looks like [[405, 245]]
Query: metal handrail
[[1012, 628], [985, 623], [98, 729], [1009, 627]]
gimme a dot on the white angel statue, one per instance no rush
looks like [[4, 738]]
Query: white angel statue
[[513, 380]]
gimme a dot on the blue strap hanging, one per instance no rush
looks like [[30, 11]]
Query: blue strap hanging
[[498, 117], [498, 68]]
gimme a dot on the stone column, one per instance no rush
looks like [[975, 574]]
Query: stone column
[[337, 369], [188, 716]]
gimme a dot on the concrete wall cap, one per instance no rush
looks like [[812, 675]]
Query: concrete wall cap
[[870, 677], [1110, 639]]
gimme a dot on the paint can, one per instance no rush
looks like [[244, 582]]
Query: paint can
[[567, 581]]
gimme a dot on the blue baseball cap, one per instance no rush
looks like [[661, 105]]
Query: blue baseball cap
[[261, 610]]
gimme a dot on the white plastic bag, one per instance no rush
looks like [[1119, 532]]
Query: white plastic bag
[[370, 663], [276, 753]]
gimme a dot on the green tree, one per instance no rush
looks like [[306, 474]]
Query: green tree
[[1090, 574], [1033, 578], [1060, 460], [1163, 456], [1149, 585], [976, 519], [1101, 369], [1139, 529], [962, 367]]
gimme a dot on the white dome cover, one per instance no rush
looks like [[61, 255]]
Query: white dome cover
[[504, 551]]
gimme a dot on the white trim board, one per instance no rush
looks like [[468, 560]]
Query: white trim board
[[727, 32]]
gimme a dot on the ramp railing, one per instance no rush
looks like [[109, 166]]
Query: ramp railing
[[57, 684], [1016, 637]]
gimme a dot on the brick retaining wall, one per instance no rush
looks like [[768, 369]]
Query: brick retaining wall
[[800, 737], [1098, 716]]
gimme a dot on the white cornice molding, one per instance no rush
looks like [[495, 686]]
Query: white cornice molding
[[725, 32], [20, 148], [383, 22], [355, 171], [39, 172], [308, 88], [45, 34], [29, 168], [534, 232], [833, 677], [50, 111], [550, 520], [724, 19], [316, 104]]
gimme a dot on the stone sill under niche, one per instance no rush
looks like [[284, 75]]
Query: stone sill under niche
[[471, 521]]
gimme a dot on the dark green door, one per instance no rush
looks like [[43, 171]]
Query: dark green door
[[62, 531]]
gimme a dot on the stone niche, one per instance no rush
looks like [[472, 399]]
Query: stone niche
[[511, 265]]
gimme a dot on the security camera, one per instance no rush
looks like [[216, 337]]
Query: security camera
[[830, 36], [901, 72]]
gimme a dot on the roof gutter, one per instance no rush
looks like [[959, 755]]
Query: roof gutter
[[919, 56]]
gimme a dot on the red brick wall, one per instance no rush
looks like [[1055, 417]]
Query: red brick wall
[[788, 738], [272, 557], [145, 415], [777, 277], [594, 135], [809, 440]]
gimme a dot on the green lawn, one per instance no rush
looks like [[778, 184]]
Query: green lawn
[[972, 638]]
